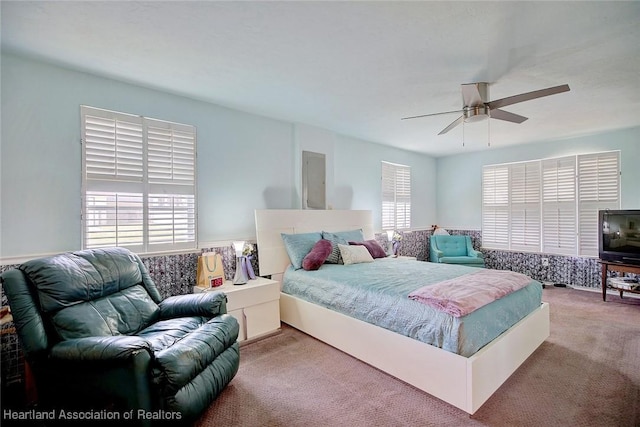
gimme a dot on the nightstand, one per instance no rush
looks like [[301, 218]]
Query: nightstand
[[256, 306]]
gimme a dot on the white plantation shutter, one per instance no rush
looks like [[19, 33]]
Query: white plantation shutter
[[171, 155], [598, 189], [171, 167], [495, 207], [114, 219], [139, 182], [113, 147], [396, 196], [171, 219], [559, 231], [525, 206], [403, 197], [549, 205]]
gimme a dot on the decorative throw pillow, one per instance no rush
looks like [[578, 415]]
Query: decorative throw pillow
[[440, 232], [334, 257], [318, 255], [299, 245], [373, 247], [354, 254]]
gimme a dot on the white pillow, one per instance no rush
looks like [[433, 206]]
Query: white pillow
[[441, 232], [354, 254]]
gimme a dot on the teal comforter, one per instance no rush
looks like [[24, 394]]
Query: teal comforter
[[377, 293]]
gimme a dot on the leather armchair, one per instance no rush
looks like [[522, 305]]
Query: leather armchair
[[454, 250], [97, 334]]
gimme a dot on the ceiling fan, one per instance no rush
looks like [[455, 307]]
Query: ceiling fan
[[476, 106]]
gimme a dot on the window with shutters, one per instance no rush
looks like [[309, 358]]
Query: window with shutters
[[396, 196], [559, 206], [139, 182], [549, 205], [598, 189], [524, 208], [495, 207]]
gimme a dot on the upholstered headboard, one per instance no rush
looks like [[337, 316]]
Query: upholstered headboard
[[273, 258]]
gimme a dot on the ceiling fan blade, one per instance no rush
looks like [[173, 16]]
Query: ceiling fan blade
[[455, 123], [507, 116], [471, 95], [498, 103], [434, 114]]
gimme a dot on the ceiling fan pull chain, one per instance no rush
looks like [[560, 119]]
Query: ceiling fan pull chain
[[488, 133], [463, 134]]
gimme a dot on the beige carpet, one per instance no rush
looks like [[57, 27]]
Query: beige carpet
[[587, 373]]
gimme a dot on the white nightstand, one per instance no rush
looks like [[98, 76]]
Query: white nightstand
[[256, 306]]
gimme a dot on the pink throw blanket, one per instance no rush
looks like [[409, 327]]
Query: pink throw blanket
[[462, 295]]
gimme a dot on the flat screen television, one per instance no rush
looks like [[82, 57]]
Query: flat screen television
[[619, 237]]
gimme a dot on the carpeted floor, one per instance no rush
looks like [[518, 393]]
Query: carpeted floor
[[587, 373]]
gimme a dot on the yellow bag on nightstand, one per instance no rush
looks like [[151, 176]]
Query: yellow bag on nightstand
[[210, 273]]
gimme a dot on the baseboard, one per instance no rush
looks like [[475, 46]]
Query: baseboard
[[599, 291]]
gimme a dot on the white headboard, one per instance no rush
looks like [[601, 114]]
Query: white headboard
[[272, 255]]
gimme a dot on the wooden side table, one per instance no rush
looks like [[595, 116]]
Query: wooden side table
[[622, 268]]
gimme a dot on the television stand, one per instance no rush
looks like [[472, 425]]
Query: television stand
[[620, 267]]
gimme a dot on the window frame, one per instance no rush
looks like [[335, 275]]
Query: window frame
[[396, 196], [151, 159], [571, 191]]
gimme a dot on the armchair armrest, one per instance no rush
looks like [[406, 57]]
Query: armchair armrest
[[209, 304], [99, 348], [94, 367], [471, 251], [476, 254], [434, 253]]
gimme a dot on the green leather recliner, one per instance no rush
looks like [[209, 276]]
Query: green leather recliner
[[97, 334]]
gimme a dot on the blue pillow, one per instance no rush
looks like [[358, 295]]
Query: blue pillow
[[351, 235], [299, 245]]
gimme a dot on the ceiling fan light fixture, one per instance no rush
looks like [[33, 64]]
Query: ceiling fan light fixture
[[475, 113], [476, 107]]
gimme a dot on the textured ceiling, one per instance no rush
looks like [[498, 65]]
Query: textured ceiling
[[358, 67]]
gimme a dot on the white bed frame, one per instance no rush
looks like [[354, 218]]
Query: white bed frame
[[464, 382]]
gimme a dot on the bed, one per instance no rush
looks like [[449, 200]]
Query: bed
[[465, 380]]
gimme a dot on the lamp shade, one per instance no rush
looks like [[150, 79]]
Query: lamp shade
[[238, 245]]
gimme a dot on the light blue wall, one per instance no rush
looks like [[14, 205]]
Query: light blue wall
[[459, 177], [358, 163], [245, 162]]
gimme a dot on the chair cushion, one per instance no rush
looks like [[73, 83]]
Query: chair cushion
[[123, 313], [69, 278], [165, 333], [451, 246], [462, 260], [92, 293]]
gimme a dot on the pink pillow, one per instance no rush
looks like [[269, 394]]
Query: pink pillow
[[318, 255], [373, 247]]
